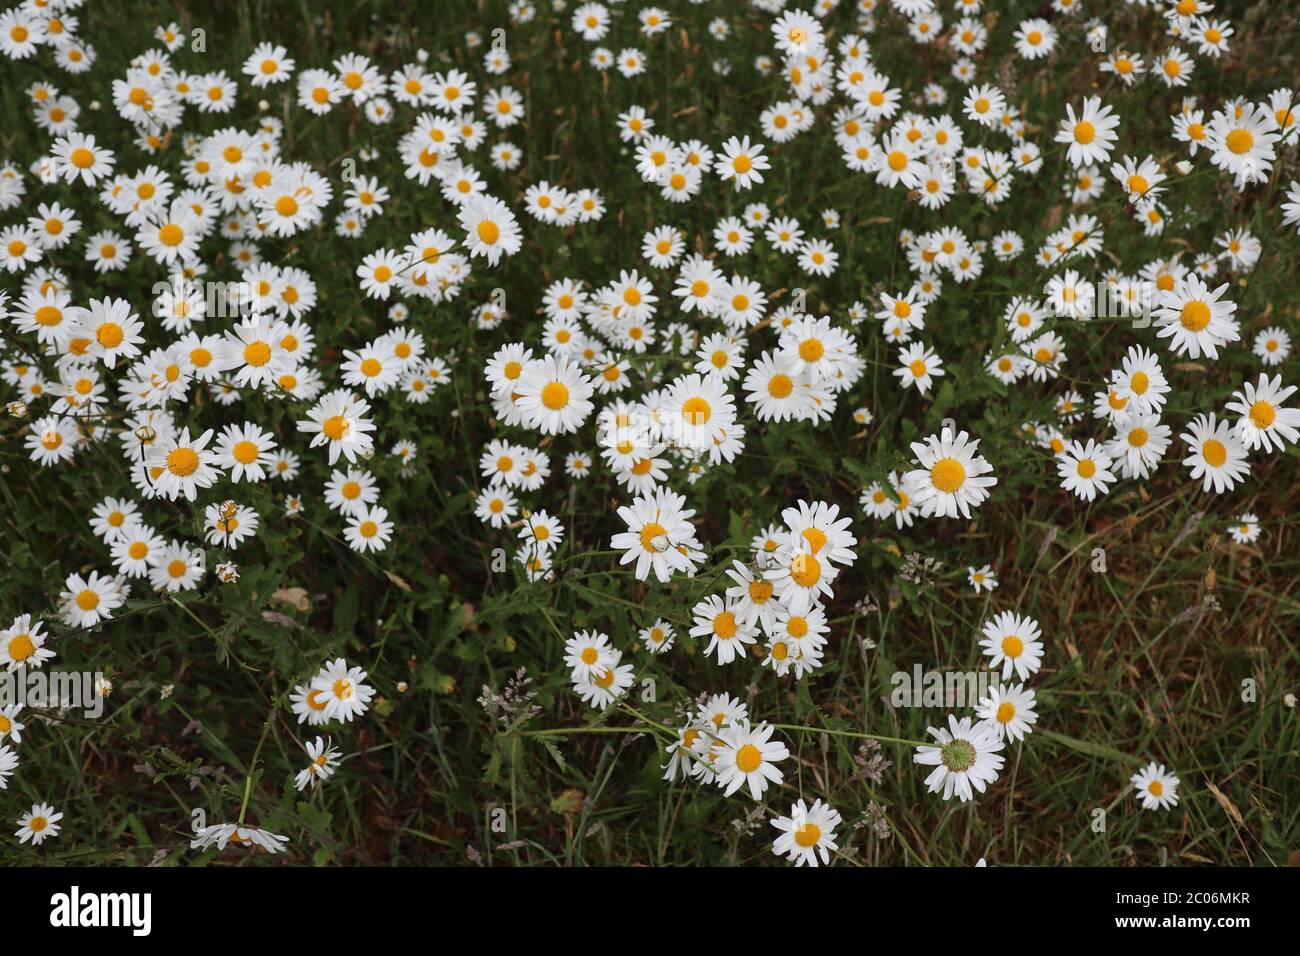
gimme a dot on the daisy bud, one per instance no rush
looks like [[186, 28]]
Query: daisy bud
[[1183, 167], [227, 572], [263, 105], [660, 543], [402, 687], [146, 433], [17, 409]]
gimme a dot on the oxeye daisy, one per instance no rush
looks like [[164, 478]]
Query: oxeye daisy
[[339, 421], [86, 601], [741, 162], [221, 835], [179, 465], [553, 394], [1217, 454], [369, 530], [807, 833], [22, 644], [748, 757], [1264, 422], [728, 632], [1245, 530], [1090, 133], [323, 761], [1013, 641], [1155, 788], [1140, 442], [343, 689], [229, 523], [490, 227], [952, 477], [38, 824], [658, 637], [920, 365], [1195, 319], [1085, 469], [982, 579], [966, 760], [1008, 709]]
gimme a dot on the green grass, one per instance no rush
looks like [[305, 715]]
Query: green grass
[[1144, 662]]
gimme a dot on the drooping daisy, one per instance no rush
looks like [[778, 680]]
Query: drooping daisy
[[323, 760], [966, 760]]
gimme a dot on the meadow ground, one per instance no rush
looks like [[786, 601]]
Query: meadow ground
[[1164, 638]]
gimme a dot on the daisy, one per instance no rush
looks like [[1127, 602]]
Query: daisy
[[1243, 144], [806, 833], [76, 156], [1156, 789], [967, 758], [10, 725], [229, 523], [1218, 454], [1139, 444], [52, 440], [177, 567], [658, 536], [741, 162], [490, 227], [323, 760], [245, 450], [1085, 469], [1246, 529], [222, 834], [339, 420], [38, 824], [606, 685], [369, 530], [496, 507], [23, 645], [920, 366], [85, 602], [1264, 423], [982, 579], [1090, 133], [343, 689], [178, 465], [1272, 346], [8, 763], [1013, 641], [553, 394], [952, 478], [728, 632], [748, 757], [268, 64], [1009, 710], [1195, 319]]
